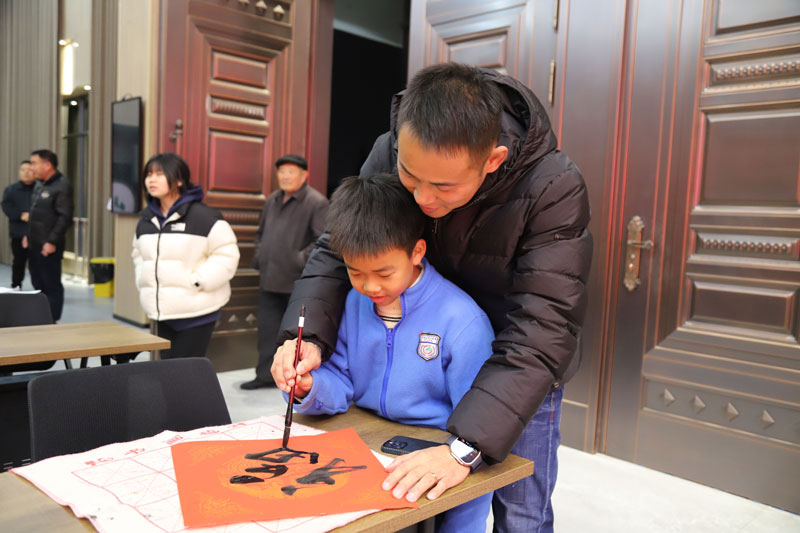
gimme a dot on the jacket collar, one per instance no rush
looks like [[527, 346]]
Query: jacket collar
[[51, 179], [416, 295], [178, 209], [298, 195]]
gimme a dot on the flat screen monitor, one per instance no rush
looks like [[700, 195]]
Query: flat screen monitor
[[126, 155]]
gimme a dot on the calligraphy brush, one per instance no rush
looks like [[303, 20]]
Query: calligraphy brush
[[290, 408]]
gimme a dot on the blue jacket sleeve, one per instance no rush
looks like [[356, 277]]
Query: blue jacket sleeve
[[471, 348], [332, 389]]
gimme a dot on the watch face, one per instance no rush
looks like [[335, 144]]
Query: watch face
[[464, 450]]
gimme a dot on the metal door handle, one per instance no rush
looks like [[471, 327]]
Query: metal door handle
[[177, 136], [633, 251]]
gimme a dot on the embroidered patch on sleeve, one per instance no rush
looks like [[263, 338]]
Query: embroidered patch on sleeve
[[428, 347]]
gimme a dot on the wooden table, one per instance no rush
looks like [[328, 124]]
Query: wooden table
[[51, 342], [24, 508]]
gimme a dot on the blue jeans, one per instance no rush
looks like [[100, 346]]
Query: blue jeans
[[525, 506], [468, 517]]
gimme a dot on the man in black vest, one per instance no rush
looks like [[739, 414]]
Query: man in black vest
[[50, 218], [17, 207]]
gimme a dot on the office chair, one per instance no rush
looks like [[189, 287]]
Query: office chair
[[79, 410], [20, 309]]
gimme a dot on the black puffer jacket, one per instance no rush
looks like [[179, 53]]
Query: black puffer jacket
[[51, 211], [520, 248], [17, 200]]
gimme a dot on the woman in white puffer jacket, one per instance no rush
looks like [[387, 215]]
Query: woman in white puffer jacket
[[185, 255]]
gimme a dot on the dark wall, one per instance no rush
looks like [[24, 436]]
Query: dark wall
[[365, 76]]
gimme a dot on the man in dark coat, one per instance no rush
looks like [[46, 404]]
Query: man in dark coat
[[51, 217], [291, 221], [17, 207], [508, 224]]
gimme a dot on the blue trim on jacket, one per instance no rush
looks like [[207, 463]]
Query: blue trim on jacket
[[372, 363]]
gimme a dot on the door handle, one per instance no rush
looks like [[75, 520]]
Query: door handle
[[633, 251], [177, 135]]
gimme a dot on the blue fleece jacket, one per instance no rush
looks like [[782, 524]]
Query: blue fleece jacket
[[415, 373]]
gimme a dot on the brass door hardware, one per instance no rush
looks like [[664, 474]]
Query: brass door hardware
[[634, 248]]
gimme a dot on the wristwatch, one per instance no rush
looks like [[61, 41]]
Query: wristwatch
[[465, 453]]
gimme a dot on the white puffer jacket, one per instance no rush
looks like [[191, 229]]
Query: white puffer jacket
[[183, 268]]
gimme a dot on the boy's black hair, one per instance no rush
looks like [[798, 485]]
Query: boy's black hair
[[48, 155], [452, 107], [174, 168], [25, 162], [372, 215]]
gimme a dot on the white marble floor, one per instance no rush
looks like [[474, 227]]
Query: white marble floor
[[595, 493]]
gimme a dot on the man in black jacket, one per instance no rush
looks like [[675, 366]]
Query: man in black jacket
[[508, 224], [291, 221], [51, 217], [17, 207]]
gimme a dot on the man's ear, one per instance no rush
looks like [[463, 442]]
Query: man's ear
[[496, 158], [418, 252]]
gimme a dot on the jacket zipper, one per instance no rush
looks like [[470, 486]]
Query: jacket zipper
[[155, 272], [389, 357]]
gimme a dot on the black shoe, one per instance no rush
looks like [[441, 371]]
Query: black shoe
[[255, 384]]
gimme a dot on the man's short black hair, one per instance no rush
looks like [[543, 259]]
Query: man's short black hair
[[174, 168], [48, 155], [25, 162], [451, 107], [372, 215]]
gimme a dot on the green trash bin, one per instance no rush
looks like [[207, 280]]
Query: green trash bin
[[103, 274]]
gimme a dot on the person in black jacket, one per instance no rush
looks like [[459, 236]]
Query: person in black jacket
[[50, 218], [17, 207], [292, 219], [508, 216]]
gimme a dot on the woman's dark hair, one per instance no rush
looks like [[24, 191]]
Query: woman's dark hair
[[174, 168], [452, 107], [372, 215]]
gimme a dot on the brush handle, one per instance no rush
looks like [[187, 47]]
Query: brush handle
[[290, 407]]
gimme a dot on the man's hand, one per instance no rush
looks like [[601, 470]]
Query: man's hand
[[432, 468], [48, 249], [24, 241], [25, 216], [283, 371]]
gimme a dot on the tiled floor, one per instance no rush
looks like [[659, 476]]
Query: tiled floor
[[595, 493]]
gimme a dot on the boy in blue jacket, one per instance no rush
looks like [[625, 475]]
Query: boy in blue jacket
[[410, 342]]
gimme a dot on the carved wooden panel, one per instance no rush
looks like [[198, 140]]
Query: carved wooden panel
[[235, 91], [515, 37], [709, 159], [762, 170]]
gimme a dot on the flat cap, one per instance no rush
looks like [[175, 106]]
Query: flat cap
[[292, 159]]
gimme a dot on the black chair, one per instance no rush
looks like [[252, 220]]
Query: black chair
[[21, 309], [78, 410]]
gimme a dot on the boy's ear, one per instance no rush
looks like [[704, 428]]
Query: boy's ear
[[419, 251]]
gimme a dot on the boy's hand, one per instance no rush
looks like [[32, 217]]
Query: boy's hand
[[283, 371], [432, 468]]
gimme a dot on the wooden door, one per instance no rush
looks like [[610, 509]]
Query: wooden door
[[704, 380], [521, 38], [499, 36], [241, 83]]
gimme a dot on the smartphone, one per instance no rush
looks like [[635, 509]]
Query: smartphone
[[400, 445]]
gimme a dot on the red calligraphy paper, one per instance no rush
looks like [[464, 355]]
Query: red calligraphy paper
[[224, 482]]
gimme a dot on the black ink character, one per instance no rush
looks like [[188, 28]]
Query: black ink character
[[321, 475], [242, 480], [313, 457], [276, 470]]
